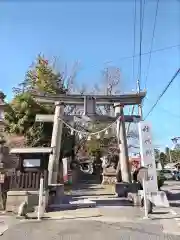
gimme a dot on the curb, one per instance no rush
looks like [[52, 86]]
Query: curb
[[4, 230], [60, 218]]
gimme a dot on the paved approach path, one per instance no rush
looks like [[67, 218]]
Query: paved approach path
[[80, 230]]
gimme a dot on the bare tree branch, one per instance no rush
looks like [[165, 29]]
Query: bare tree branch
[[70, 81]]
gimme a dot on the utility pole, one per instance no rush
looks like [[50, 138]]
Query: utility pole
[[140, 105], [169, 153]]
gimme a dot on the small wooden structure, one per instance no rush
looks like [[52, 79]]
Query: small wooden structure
[[33, 163]]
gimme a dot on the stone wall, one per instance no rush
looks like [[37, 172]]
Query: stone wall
[[15, 198]]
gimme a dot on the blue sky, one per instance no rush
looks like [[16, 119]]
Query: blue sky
[[95, 33]]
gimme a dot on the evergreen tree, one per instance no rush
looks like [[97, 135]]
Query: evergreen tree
[[21, 111], [41, 78]]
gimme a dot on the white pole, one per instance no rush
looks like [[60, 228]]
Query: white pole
[[170, 158], [169, 153], [65, 169], [40, 205], [145, 199]]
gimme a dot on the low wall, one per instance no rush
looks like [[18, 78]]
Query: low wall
[[15, 198], [122, 189], [56, 194]]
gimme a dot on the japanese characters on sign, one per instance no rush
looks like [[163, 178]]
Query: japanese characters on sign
[[147, 155]]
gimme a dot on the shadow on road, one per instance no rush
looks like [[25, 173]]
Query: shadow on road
[[159, 213], [173, 198], [113, 203]]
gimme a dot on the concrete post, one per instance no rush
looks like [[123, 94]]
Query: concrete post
[[140, 112], [53, 166], [40, 204]]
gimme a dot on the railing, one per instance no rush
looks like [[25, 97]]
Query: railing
[[26, 181]]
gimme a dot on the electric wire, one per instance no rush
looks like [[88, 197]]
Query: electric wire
[[152, 41], [163, 92], [134, 40], [141, 22], [134, 49], [142, 7], [161, 108], [150, 52]]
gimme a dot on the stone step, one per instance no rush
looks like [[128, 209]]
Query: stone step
[[83, 203]]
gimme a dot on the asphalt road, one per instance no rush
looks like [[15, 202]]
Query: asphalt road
[[172, 189], [80, 230]]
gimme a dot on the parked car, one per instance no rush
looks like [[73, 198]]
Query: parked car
[[176, 175], [168, 174]]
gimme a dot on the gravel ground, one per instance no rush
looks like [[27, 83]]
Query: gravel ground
[[80, 230]]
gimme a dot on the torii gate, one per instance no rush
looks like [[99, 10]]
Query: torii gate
[[89, 102]]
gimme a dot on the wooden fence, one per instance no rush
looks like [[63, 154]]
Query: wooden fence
[[26, 181]]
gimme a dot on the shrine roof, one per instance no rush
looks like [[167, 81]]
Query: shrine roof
[[31, 150]]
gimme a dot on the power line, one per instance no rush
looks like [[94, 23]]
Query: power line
[[161, 108], [163, 92], [134, 46], [146, 53], [128, 128], [141, 22], [142, 7], [143, 13], [152, 41]]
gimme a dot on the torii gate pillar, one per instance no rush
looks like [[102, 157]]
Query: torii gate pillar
[[53, 167], [121, 135]]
